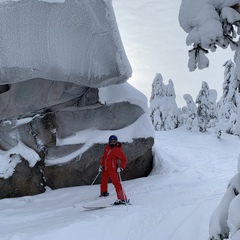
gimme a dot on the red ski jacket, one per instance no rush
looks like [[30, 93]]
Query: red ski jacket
[[111, 156]]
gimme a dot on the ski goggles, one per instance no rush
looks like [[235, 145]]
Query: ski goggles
[[113, 141]]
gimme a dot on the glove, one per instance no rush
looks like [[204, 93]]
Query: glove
[[119, 169], [100, 168]]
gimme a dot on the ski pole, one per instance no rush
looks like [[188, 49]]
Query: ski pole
[[124, 195], [95, 179]]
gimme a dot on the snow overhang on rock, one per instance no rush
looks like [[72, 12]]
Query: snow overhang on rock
[[74, 41]]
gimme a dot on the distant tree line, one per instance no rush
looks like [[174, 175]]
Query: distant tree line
[[203, 113]]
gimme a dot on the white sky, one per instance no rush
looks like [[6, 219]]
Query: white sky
[[154, 42]]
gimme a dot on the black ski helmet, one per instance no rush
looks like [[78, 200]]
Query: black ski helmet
[[113, 137]]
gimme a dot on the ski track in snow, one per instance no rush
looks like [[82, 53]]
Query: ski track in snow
[[174, 204]]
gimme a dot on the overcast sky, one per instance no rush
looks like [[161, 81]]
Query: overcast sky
[[155, 43]]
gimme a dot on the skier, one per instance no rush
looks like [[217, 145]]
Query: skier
[[110, 168]]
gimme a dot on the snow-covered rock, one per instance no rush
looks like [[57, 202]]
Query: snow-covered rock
[[63, 92], [72, 41]]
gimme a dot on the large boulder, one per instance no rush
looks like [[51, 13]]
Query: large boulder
[[67, 41], [63, 91]]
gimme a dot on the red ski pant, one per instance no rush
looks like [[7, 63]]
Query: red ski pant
[[115, 181]]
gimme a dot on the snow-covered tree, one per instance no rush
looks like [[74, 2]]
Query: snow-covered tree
[[237, 129], [228, 103], [183, 116], [163, 108], [213, 107], [203, 107], [192, 123], [158, 87], [225, 219], [210, 24]]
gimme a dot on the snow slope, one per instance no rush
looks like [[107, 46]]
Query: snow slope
[[190, 176]]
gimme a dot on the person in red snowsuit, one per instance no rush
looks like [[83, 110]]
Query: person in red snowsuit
[[113, 161]]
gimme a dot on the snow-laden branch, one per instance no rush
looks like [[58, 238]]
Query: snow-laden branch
[[209, 24]]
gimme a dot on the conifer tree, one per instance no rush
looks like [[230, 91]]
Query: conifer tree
[[213, 108], [228, 103], [203, 108], [183, 116]]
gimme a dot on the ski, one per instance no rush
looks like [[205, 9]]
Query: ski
[[96, 207], [104, 206]]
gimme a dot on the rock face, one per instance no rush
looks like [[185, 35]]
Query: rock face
[[24, 181], [58, 100], [70, 41], [82, 171], [43, 134]]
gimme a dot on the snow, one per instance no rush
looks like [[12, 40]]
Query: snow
[[189, 179], [9, 159], [209, 24], [122, 93], [229, 14], [187, 18], [235, 204]]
